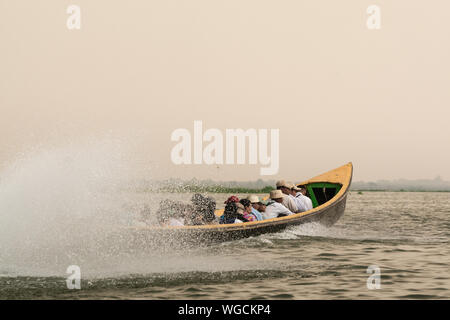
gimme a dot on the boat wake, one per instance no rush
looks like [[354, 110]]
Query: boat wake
[[315, 231]]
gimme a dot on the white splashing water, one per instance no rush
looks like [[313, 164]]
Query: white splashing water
[[65, 206], [57, 204], [313, 229]]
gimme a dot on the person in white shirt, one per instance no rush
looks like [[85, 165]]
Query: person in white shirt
[[288, 202], [299, 201], [275, 208], [292, 193], [300, 196], [301, 206]]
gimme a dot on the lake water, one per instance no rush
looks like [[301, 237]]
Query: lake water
[[406, 235]]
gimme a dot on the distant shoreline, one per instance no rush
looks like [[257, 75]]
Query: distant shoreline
[[387, 190], [214, 189], [267, 189]]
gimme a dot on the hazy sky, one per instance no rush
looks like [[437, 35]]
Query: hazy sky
[[140, 69]]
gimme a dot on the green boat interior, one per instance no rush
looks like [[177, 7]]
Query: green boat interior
[[321, 192]]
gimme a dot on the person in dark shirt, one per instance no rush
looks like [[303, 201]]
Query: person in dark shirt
[[233, 212], [204, 208]]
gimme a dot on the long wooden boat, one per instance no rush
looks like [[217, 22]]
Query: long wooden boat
[[327, 191]]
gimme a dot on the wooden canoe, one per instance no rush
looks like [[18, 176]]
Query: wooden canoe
[[327, 191]]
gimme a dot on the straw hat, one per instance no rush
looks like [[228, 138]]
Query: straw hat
[[290, 185], [295, 188], [281, 183], [253, 199], [276, 194]]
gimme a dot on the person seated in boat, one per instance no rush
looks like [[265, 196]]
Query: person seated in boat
[[256, 204], [190, 218], [292, 194], [301, 206], [229, 212], [169, 213], [232, 213], [299, 201], [231, 199], [204, 208], [247, 210], [240, 213], [300, 195], [275, 207], [262, 207], [287, 201]]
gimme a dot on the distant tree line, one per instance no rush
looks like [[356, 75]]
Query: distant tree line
[[261, 186], [213, 189]]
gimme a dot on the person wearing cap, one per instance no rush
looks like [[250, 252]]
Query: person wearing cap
[[275, 208], [300, 195], [288, 202], [301, 205], [254, 200]]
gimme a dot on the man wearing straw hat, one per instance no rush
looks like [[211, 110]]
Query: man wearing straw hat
[[288, 202], [301, 205], [275, 208]]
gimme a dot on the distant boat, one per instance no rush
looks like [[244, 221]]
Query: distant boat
[[327, 191]]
